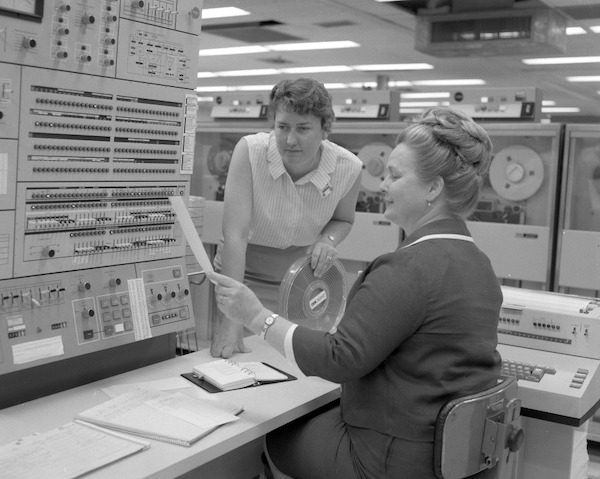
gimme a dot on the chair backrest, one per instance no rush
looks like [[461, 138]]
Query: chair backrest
[[479, 431]]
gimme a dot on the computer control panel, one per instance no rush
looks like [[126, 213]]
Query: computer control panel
[[551, 343]]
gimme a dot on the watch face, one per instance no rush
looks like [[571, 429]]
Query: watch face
[[269, 321]]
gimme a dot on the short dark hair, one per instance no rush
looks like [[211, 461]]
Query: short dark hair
[[450, 144], [303, 96]]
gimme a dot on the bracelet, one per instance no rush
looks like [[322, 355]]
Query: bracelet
[[269, 321]]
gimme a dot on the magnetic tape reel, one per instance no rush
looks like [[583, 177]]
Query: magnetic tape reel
[[516, 172], [317, 303], [219, 158], [374, 157]]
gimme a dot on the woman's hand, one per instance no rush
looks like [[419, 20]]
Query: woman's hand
[[228, 338], [235, 299], [322, 255]]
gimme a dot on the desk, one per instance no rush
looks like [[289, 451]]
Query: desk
[[229, 452]]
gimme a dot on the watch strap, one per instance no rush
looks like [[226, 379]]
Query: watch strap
[[269, 321]]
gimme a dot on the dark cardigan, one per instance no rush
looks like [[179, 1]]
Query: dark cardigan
[[420, 327]]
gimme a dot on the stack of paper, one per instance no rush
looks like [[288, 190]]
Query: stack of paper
[[171, 417]]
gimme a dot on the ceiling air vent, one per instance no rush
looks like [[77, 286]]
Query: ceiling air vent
[[490, 33]]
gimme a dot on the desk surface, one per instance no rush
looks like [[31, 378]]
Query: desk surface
[[265, 408]]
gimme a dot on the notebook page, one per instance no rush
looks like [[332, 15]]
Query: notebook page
[[64, 452], [149, 413], [262, 372], [224, 373], [201, 412]]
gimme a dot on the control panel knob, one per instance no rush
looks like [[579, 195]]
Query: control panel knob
[[63, 31], [195, 13], [64, 7], [88, 19], [88, 313], [114, 282], [137, 4], [84, 286], [29, 42], [49, 252]]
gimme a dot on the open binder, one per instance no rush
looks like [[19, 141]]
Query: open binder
[[225, 375]]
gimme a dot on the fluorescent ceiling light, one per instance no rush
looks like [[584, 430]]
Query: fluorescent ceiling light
[[399, 83], [206, 75], [595, 29], [253, 88], [335, 86], [588, 78], [561, 109], [289, 47], [363, 85], [282, 47], [575, 31], [560, 60], [298, 70], [202, 89], [548, 103], [456, 82], [420, 95], [222, 12], [242, 73], [323, 69], [394, 66], [210, 52]]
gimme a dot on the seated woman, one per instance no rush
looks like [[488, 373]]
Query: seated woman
[[420, 325]]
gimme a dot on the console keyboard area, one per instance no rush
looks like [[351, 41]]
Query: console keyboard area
[[525, 371]]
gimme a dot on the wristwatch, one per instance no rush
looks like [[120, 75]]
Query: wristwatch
[[269, 321]]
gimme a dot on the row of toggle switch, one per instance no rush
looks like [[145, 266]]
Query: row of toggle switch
[[146, 151], [79, 126], [77, 104], [148, 111], [32, 298], [95, 149], [113, 193]]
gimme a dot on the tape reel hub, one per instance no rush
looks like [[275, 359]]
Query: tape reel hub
[[516, 173], [374, 157]]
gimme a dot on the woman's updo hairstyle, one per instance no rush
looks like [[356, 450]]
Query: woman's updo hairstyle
[[303, 96], [449, 144]]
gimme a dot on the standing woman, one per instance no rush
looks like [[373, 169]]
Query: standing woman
[[289, 192], [420, 326]]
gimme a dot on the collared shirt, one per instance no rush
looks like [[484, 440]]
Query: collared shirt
[[287, 213]]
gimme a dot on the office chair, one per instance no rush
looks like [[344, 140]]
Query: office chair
[[478, 432]]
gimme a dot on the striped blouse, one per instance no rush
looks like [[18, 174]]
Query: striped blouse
[[287, 213]]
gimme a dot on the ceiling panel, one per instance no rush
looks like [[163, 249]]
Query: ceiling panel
[[386, 35]]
